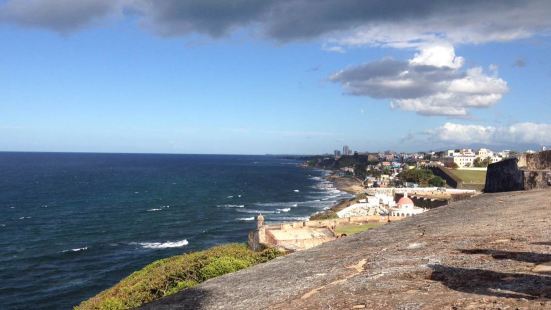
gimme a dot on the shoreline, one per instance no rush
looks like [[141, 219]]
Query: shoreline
[[347, 184]]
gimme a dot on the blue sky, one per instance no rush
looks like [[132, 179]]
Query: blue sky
[[118, 85]]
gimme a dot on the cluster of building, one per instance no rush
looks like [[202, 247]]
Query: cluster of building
[[465, 158]]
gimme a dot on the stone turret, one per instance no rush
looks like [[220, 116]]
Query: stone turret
[[259, 221]]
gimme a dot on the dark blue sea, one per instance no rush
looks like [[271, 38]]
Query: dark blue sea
[[72, 225]]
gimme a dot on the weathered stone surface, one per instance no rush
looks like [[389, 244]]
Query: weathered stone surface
[[504, 176], [473, 254], [530, 171]]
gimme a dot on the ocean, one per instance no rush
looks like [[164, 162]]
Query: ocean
[[74, 224]]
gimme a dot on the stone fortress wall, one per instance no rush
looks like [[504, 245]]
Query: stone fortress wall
[[295, 236], [529, 171]]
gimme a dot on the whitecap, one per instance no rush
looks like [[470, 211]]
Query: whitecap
[[284, 210], [291, 218], [296, 190], [239, 196], [230, 206], [76, 250], [229, 197], [245, 219], [161, 208], [164, 245], [255, 211], [278, 204], [25, 217]]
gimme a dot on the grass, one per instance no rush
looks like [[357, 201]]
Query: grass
[[469, 176], [354, 229], [171, 275]]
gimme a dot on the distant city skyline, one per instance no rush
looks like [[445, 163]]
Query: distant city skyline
[[273, 77]]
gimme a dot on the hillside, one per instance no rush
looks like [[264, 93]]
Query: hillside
[[486, 252]]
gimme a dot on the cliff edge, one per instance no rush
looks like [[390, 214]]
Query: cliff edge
[[491, 252]]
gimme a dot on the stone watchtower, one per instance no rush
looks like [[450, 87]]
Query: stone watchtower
[[259, 221], [258, 237]]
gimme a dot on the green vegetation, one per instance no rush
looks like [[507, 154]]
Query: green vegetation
[[482, 162], [469, 176], [171, 275], [324, 215], [423, 177], [354, 229]]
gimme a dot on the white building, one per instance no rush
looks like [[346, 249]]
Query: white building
[[405, 207], [460, 160], [484, 153]]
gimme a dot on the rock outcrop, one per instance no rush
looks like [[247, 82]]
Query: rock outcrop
[[489, 252]]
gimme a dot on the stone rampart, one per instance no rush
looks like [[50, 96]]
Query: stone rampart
[[529, 171]]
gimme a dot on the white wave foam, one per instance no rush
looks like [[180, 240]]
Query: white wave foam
[[158, 209], [284, 210], [278, 204], [245, 219], [229, 197], [25, 217], [255, 211], [230, 206], [291, 218], [76, 250], [296, 190], [164, 245]]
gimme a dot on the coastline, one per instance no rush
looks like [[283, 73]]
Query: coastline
[[346, 184]]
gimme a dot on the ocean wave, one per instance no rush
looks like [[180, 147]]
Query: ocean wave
[[230, 206], [289, 218], [158, 209], [25, 217], [278, 204], [164, 245], [75, 250], [284, 210], [255, 211], [296, 191], [245, 219]]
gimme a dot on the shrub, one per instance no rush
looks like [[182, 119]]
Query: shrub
[[223, 265], [171, 275], [324, 215]]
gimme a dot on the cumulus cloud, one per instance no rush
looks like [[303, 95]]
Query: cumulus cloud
[[431, 83], [519, 133]]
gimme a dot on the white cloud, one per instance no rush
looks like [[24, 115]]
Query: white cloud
[[433, 82], [438, 55], [519, 133]]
